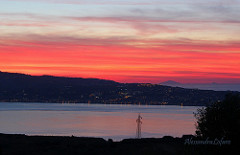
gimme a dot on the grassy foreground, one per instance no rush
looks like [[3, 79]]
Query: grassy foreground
[[11, 144]]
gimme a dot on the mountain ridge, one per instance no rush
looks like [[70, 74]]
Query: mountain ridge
[[205, 86], [15, 87], [170, 82]]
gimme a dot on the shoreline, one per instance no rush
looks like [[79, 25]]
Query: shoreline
[[127, 104]]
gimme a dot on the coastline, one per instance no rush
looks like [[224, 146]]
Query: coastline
[[142, 104]]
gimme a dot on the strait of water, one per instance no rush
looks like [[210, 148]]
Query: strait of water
[[96, 120]]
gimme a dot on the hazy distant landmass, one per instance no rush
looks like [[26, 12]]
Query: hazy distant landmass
[[205, 86], [16, 87]]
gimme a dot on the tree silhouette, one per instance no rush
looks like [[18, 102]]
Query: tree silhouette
[[221, 119]]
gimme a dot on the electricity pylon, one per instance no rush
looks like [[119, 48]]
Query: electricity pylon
[[139, 123]]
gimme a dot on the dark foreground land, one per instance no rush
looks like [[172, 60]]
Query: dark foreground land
[[51, 145]]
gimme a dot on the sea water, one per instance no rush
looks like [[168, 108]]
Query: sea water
[[113, 121]]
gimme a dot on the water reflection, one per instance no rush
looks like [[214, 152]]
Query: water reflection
[[107, 121]]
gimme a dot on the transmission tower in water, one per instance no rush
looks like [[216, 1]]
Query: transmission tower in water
[[139, 123]]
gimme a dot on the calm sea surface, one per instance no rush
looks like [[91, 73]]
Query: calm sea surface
[[96, 120]]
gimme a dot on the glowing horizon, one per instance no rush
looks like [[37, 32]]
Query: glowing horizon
[[125, 41]]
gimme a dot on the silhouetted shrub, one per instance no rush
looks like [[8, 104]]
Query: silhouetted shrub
[[221, 119]]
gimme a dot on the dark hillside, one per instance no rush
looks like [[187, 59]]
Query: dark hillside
[[25, 88]]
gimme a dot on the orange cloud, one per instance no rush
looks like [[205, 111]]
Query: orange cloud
[[161, 60]]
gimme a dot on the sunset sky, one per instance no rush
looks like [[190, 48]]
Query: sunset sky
[[153, 41]]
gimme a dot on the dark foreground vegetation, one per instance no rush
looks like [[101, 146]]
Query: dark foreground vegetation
[[51, 145], [221, 119], [25, 88]]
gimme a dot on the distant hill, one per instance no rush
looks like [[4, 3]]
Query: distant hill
[[170, 82], [205, 86], [25, 88]]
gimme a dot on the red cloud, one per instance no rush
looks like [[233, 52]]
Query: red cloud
[[115, 59]]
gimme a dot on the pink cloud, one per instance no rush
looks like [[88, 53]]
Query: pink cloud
[[108, 58]]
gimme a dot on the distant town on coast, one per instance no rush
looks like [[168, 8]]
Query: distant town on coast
[[25, 88]]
